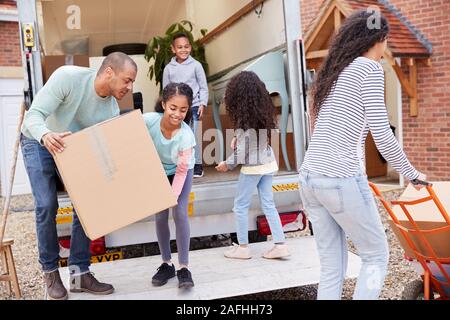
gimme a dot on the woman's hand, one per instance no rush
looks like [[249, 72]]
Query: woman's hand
[[222, 167], [420, 181]]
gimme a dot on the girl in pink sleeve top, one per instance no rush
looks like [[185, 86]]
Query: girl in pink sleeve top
[[174, 142]]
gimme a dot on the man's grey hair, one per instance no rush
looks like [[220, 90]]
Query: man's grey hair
[[117, 62]]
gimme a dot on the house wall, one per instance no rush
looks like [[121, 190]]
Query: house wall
[[426, 138], [9, 44]]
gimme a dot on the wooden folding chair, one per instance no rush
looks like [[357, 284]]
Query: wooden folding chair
[[9, 273]]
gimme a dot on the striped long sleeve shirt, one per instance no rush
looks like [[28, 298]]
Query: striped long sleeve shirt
[[354, 106]]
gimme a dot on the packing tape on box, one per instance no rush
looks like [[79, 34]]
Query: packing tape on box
[[102, 153]]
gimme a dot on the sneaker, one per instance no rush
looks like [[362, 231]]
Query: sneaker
[[278, 251], [198, 171], [184, 278], [54, 286], [165, 272], [238, 252], [86, 282]]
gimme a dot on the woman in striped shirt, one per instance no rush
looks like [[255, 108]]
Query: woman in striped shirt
[[348, 101]]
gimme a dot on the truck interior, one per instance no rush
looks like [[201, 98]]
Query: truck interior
[[105, 23]]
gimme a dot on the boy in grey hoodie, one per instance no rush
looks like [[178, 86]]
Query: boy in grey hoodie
[[184, 68]]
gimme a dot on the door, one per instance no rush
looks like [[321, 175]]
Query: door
[[10, 100]]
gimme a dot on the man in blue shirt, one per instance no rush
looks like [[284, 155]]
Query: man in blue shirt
[[73, 98]]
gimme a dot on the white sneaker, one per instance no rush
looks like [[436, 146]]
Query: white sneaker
[[238, 252], [278, 251]]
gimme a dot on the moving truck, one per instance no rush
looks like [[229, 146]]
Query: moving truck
[[242, 35]]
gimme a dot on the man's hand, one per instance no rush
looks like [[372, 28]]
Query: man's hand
[[53, 141], [222, 167], [201, 109]]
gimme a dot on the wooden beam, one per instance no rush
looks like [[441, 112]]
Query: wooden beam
[[317, 54], [337, 19], [231, 21], [319, 26], [344, 8], [413, 109], [403, 80], [428, 62], [409, 84]]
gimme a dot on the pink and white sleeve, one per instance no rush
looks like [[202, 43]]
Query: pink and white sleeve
[[182, 168]]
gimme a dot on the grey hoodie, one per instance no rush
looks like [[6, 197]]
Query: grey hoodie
[[250, 151], [190, 72]]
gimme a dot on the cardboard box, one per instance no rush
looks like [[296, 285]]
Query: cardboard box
[[114, 179], [427, 216], [51, 63]]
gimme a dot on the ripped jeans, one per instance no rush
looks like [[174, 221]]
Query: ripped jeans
[[340, 207]]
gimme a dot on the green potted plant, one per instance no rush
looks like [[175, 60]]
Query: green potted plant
[[159, 49]]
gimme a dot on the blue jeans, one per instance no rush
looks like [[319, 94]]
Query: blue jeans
[[41, 171], [242, 201], [198, 142], [338, 207]]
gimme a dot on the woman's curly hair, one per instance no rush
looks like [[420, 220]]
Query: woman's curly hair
[[248, 103], [355, 37]]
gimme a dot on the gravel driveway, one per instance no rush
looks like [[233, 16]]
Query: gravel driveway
[[21, 227]]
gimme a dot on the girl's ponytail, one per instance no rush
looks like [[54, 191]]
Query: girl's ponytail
[[158, 106]]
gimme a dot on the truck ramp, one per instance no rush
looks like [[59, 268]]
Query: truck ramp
[[214, 275]]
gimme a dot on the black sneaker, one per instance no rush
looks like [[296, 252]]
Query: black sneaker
[[165, 272], [198, 171], [184, 278]]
